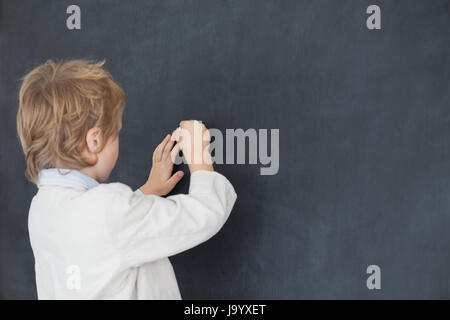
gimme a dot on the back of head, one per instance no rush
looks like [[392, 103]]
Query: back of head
[[58, 103]]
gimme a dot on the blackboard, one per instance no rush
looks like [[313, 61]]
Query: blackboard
[[364, 126]]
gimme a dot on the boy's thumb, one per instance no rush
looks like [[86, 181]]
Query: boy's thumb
[[175, 179]]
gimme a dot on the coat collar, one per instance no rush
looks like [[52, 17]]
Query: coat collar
[[67, 177]]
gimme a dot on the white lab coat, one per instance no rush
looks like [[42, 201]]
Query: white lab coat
[[104, 241]]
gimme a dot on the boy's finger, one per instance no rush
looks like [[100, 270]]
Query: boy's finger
[[167, 149], [176, 134], [173, 180], [174, 152], [158, 151]]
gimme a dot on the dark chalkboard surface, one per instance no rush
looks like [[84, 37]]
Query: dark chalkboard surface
[[364, 120]]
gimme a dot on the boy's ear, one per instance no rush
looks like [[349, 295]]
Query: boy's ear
[[94, 139]]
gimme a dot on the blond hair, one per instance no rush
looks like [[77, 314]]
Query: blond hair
[[58, 103]]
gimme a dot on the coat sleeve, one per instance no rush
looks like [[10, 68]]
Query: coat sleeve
[[146, 228]]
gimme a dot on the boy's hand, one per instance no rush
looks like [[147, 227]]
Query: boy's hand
[[161, 181], [193, 139]]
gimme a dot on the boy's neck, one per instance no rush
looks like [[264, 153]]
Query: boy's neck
[[90, 172]]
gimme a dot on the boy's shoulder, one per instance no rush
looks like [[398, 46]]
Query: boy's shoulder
[[116, 196]]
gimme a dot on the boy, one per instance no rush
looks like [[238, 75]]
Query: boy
[[93, 240]]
